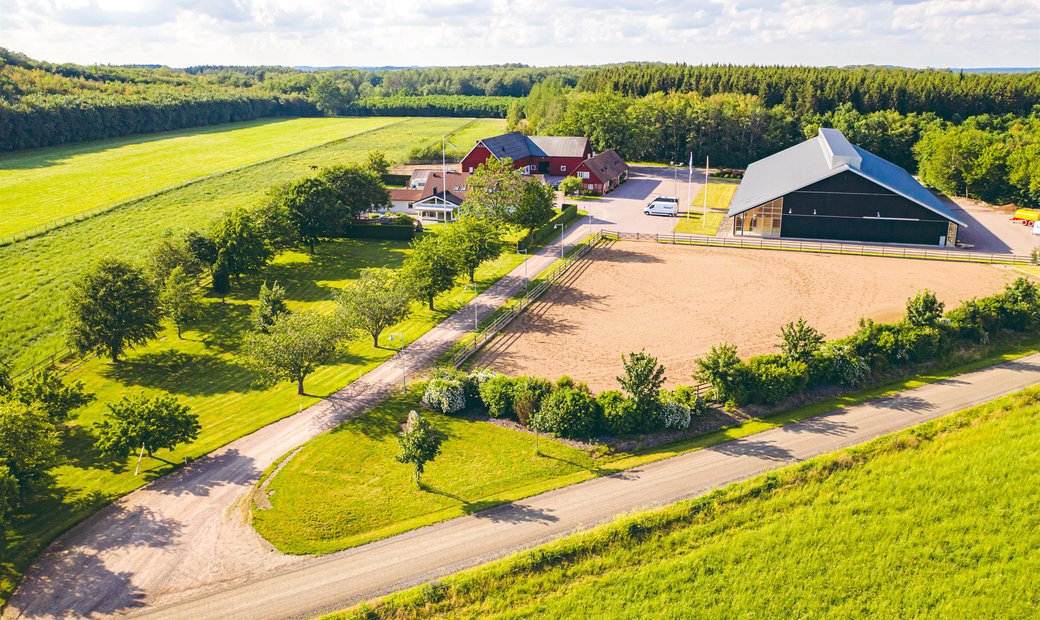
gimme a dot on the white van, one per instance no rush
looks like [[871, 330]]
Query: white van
[[663, 205]]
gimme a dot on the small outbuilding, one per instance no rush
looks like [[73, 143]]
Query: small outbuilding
[[827, 188], [603, 172]]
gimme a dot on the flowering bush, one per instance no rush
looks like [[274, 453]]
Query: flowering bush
[[674, 414], [443, 394]]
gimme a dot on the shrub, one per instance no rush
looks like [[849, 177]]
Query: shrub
[[775, 378], [528, 393], [497, 395], [674, 414], [799, 340], [620, 414], [836, 362], [924, 309], [567, 413], [919, 344], [975, 319], [444, 394], [727, 375], [475, 379], [642, 381], [1019, 305]]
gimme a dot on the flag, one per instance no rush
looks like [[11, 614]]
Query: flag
[[691, 162]]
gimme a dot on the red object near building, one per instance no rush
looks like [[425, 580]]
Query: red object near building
[[551, 156]]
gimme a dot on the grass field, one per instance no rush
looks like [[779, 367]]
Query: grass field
[[35, 274], [206, 372], [365, 494], [695, 223], [44, 185], [938, 521]]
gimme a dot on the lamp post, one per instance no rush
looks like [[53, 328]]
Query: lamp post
[[560, 226], [476, 322], [527, 280]]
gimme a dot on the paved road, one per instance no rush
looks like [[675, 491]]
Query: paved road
[[187, 531], [622, 209], [325, 584]]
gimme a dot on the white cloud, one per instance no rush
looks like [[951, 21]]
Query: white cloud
[[452, 32]]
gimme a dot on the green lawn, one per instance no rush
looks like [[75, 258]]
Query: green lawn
[[43, 185], [365, 494], [938, 521], [205, 371], [35, 274], [694, 222]]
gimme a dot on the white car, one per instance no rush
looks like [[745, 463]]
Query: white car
[[663, 205]]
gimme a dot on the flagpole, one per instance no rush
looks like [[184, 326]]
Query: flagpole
[[707, 164], [689, 189]]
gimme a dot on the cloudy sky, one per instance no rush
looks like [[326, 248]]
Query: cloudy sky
[[936, 33]]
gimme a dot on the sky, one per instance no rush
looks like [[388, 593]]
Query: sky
[[179, 33]]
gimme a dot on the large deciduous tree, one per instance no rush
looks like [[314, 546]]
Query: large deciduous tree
[[358, 189], [471, 241], [379, 299], [45, 391], [430, 269], [111, 307], [180, 299], [172, 252], [493, 191], [145, 423], [294, 346], [28, 444], [240, 244], [314, 210], [536, 206]]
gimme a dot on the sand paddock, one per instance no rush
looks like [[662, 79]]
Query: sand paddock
[[676, 301]]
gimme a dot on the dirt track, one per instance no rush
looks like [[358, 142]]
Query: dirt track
[[677, 301]]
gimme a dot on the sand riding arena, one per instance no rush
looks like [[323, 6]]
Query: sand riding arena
[[677, 301]]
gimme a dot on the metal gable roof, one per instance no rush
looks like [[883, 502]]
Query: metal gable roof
[[827, 154], [516, 146]]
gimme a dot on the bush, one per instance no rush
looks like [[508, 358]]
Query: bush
[[837, 363], [620, 414], [497, 395], [674, 414], [474, 380], [444, 394], [924, 309], [528, 393], [975, 319], [568, 413], [727, 375], [775, 378]]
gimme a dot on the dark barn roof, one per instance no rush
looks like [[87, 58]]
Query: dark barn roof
[[607, 165], [516, 146], [826, 155]]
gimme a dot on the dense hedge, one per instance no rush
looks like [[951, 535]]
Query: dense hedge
[[379, 231], [432, 105], [568, 213]]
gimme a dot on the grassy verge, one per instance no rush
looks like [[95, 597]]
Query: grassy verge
[[695, 222], [206, 371], [35, 274], [318, 468], [936, 521]]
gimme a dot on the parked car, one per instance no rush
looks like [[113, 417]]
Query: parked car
[[663, 205]]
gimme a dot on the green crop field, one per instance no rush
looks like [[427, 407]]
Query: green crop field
[[44, 185], [35, 273], [695, 223], [940, 521]]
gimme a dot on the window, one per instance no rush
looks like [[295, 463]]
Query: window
[[471, 169], [563, 168], [583, 175], [762, 220]]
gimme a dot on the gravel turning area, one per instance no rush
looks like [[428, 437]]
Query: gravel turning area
[[677, 301]]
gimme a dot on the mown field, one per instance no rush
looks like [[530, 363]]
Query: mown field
[[938, 521], [35, 273], [695, 222], [44, 185]]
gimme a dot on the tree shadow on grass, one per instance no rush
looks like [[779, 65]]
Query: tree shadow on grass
[[225, 325], [182, 373], [204, 474], [754, 448], [78, 447]]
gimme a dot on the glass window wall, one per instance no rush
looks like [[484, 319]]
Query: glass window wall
[[763, 220]]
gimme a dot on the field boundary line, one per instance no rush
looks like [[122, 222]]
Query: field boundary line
[[548, 279], [822, 247], [43, 229]]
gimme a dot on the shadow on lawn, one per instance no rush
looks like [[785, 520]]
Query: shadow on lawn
[[183, 373]]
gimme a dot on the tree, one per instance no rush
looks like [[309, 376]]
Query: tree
[[111, 307], [221, 278], [180, 298], [568, 412], [240, 246], [170, 253], [378, 299], [419, 444], [471, 241], [314, 210], [5, 377], [572, 186], [28, 444], [377, 162], [924, 309], [536, 206], [799, 341], [145, 423], [270, 305], [493, 190], [642, 380], [296, 344], [9, 495], [725, 372], [328, 97], [45, 391], [430, 269], [202, 248], [358, 189]]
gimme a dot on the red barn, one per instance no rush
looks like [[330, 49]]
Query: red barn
[[603, 172], [552, 156]]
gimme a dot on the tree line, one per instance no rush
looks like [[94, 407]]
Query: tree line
[[948, 94]]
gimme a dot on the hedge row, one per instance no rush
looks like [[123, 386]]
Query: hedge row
[[568, 213]]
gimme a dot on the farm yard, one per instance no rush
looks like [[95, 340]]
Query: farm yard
[[35, 273], [676, 302]]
